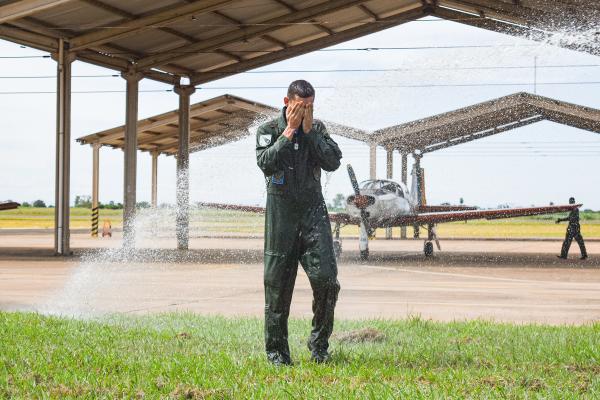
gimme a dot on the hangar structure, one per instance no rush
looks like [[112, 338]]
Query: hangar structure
[[187, 43], [209, 123], [474, 122], [213, 122]]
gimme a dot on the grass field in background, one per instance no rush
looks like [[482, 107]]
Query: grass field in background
[[209, 222], [43, 218], [194, 357]]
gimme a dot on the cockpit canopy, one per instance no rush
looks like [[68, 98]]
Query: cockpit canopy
[[380, 187]]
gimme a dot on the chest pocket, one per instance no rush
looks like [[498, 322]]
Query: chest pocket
[[317, 173]]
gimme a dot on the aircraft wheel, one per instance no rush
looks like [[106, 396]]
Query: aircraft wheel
[[428, 249], [337, 248], [364, 255]]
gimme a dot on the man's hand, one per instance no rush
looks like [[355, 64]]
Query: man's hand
[[307, 122], [294, 114]]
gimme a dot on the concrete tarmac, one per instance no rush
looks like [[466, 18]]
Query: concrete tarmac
[[515, 281]]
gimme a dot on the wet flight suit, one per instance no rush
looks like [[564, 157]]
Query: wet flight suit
[[573, 232], [297, 228]]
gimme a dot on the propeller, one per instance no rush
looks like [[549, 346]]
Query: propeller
[[360, 201]]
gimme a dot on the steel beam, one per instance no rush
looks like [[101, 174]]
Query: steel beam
[[132, 27], [23, 8], [95, 187], [485, 133], [132, 79], [63, 151], [151, 123], [247, 33], [389, 174], [403, 177], [27, 38], [154, 179], [183, 163], [373, 161], [303, 48]]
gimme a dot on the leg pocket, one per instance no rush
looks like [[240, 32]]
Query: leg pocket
[[318, 257], [276, 268]]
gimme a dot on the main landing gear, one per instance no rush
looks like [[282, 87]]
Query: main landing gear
[[428, 246], [428, 249]]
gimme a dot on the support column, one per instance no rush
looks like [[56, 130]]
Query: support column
[[183, 161], [417, 158], [389, 174], [373, 161], [95, 187], [154, 179], [130, 151], [417, 165], [63, 150], [404, 173]]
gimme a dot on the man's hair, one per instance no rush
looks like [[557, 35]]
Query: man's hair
[[572, 200], [300, 88]]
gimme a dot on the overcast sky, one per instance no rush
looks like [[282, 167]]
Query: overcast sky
[[537, 164]]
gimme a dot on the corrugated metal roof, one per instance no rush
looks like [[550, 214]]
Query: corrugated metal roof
[[484, 119], [213, 122], [210, 39]]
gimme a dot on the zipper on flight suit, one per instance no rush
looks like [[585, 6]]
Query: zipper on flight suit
[[295, 161]]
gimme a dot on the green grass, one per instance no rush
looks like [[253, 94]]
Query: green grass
[[189, 356]]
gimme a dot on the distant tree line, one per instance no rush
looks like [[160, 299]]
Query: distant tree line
[[37, 204], [85, 202], [337, 204]]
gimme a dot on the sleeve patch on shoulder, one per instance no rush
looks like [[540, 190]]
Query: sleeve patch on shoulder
[[264, 140]]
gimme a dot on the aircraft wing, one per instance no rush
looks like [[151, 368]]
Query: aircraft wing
[[434, 209], [342, 218], [233, 207], [466, 215], [8, 205]]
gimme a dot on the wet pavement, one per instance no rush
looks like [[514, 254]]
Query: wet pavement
[[518, 281]]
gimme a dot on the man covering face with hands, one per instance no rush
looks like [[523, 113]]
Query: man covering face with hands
[[291, 150]]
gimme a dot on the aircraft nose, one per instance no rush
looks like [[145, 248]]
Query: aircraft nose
[[361, 201]]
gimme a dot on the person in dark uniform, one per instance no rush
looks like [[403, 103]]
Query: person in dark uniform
[[573, 232], [291, 151]]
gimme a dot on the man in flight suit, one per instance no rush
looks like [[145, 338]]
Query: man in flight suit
[[291, 150], [573, 232]]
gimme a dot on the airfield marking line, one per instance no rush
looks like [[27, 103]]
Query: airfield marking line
[[573, 306], [492, 278]]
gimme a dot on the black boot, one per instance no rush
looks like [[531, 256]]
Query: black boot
[[320, 356], [279, 359]]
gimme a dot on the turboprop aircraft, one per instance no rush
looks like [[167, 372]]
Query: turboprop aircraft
[[383, 203]]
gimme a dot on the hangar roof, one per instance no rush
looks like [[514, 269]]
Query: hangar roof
[[210, 39], [213, 122], [484, 119]]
